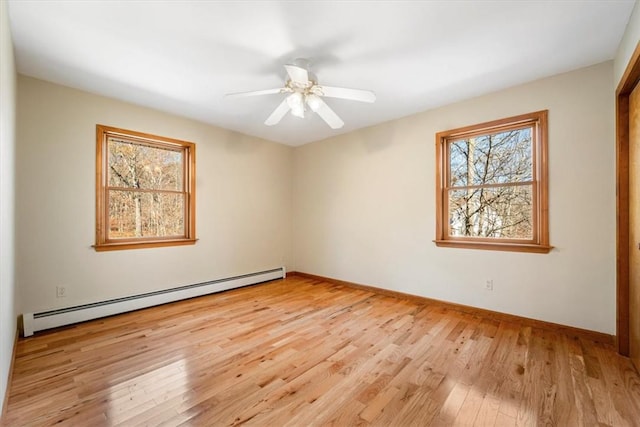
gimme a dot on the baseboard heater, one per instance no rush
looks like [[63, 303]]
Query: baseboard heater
[[33, 322]]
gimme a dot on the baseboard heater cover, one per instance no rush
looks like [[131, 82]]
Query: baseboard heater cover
[[33, 322]]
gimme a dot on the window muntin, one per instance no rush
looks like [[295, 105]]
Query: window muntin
[[145, 193], [492, 185]]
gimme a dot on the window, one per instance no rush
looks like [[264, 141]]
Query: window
[[491, 185], [145, 190]]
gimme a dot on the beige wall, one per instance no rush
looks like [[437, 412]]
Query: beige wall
[[243, 197], [364, 207], [628, 44], [7, 147]]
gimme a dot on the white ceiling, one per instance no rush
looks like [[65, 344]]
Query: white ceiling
[[183, 56]]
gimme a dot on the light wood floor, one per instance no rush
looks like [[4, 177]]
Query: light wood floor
[[301, 352]]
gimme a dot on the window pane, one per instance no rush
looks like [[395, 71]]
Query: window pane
[[492, 159], [498, 212], [134, 214], [134, 165]]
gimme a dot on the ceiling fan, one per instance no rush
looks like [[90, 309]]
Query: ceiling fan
[[304, 91]]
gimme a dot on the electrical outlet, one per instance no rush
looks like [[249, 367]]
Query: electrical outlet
[[61, 292], [488, 285]]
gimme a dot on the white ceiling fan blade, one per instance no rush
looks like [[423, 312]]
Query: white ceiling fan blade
[[297, 74], [344, 93], [328, 115], [254, 93], [278, 113]]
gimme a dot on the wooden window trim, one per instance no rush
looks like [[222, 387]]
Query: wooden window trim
[[103, 243], [540, 239]]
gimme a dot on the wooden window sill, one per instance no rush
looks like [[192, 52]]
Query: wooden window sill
[[140, 245], [495, 246]]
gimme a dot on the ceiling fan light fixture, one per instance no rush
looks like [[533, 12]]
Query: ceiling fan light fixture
[[298, 112], [296, 103], [314, 102]]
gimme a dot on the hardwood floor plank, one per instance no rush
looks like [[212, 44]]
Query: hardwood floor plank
[[470, 408], [488, 412], [302, 351]]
